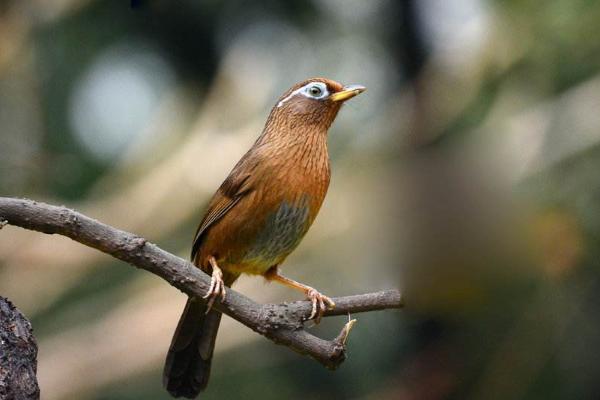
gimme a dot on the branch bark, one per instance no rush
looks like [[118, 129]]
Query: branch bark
[[18, 355], [282, 323]]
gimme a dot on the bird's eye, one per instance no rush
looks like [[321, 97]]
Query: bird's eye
[[315, 91]]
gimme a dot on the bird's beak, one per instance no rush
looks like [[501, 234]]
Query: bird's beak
[[347, 92]]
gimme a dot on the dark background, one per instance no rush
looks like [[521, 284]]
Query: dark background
[[468, 176]]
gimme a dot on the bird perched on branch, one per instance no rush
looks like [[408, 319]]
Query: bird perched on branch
[[257, 218]]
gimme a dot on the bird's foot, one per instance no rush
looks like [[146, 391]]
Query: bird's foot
[[320, 304], [216, 289]]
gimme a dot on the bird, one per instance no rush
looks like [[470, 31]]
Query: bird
[[256, 218]]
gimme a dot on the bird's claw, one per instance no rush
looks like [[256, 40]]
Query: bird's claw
[[216, 289], [320, 304]]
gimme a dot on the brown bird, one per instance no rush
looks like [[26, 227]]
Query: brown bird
[[256, 218]]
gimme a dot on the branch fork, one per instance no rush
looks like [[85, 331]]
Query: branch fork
[[281, 323]]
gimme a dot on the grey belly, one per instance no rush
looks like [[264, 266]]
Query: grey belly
[[282, 232]]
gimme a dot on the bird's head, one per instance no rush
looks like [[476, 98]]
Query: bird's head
[[314, 102]]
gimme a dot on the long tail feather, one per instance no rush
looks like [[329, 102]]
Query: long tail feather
[[187, 367]]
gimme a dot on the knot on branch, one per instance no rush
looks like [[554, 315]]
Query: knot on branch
[[336, 357], [279, 316], [132, 243], [70, 218]]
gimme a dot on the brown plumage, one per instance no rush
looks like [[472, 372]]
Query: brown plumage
[[256, 219]]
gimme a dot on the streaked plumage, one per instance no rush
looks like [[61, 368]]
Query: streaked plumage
[[258, 216]]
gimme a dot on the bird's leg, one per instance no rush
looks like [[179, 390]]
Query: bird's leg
[[320, 302], [217, 286]]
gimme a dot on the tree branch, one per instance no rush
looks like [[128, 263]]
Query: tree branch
[[282, 323]]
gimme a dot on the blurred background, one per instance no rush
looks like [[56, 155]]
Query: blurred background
[[468, 176]]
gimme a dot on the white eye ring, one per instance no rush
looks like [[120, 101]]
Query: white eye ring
[[315, 90], [305, 91]]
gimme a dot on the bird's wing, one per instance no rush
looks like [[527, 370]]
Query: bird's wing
[[233, 189]]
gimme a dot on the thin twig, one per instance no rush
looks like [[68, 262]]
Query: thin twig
[[282, 323]]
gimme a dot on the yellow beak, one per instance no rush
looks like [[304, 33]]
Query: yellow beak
[[347, 92]]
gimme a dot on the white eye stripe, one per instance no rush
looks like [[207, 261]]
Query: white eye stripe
[[304, 90]]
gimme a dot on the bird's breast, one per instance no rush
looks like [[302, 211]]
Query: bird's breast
[[280, 233], [288, 188]]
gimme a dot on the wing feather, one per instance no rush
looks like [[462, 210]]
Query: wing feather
[[233, 189]]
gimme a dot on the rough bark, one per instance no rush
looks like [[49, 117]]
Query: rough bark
[[18, 355]]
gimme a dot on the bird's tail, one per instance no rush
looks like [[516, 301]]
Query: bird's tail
[[188, 362]]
